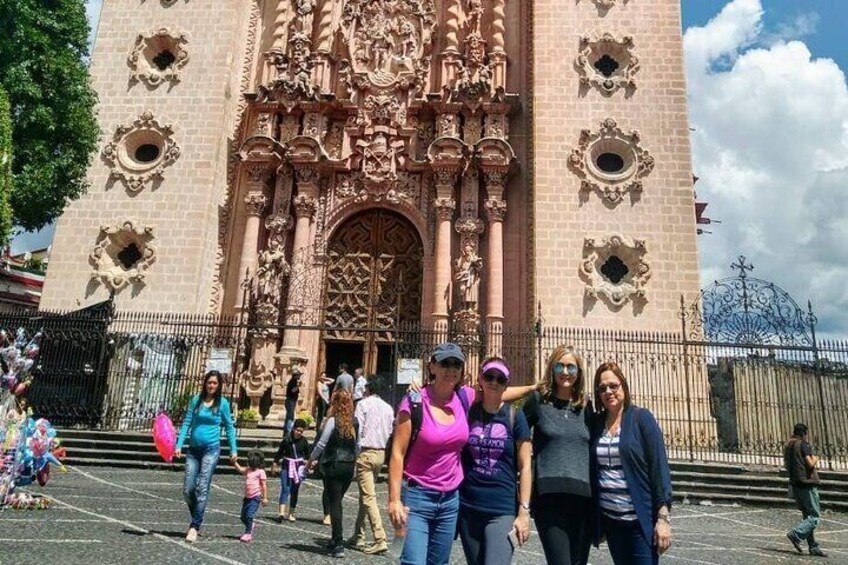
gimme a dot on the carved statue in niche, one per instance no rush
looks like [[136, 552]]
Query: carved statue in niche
[[468, 267], [269, 275], [475, 15], [304, 10]]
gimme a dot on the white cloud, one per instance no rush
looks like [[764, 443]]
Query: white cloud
[[771, 148]]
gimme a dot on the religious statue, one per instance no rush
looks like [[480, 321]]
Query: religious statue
[[304, 10], [475, 15], [468, 267], [269, 275]]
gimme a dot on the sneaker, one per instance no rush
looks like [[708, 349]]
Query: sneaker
[[378, 547], [356, 543], [292, 518], [795, 540], [191, 536], [336, 551], [817, 552], [246, 538]]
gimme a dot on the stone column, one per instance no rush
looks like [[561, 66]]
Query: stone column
[[495, 212], [255, 203], [445, 206], [497, 55]]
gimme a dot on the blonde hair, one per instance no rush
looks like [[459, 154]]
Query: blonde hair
[[342, 407], [549, 385]]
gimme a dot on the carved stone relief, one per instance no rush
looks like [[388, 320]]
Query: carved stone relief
[[122, 254], [611, 162], [158, 56], [140, 151], [614, 269], [607, 63]]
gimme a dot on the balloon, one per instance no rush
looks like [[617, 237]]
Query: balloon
[[43, 475], [164, 436]]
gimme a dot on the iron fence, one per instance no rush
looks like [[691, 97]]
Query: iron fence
[[715, 400]]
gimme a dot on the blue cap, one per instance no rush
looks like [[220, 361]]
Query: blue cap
[[447, 351]]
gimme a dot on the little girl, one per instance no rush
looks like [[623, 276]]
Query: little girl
[[255, 491], [291, 458]]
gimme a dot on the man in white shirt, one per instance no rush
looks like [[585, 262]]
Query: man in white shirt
[[359, 385], [376, 420]]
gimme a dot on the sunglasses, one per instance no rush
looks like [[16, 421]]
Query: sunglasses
[[569, 368], [613, 388], [489, 377], [451, 364]]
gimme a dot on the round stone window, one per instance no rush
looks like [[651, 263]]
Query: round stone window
[[142, 149], [611, 159], [147, 153]]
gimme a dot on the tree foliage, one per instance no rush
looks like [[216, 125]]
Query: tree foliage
[[5, 168], [43, 53]]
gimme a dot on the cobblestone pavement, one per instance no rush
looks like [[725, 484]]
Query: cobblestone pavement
[[103, 516]]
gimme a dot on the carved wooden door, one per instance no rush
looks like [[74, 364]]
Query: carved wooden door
[[374, 268]]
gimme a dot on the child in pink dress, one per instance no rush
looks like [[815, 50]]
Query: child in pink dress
[[255, 491]]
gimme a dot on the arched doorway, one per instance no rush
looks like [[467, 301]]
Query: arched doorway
[[374, 280]]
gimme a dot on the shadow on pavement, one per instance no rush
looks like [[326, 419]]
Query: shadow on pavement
[[316, 549]]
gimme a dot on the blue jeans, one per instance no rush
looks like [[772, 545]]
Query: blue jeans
[[288, 488], [249, 506], [200, 465], [627, 543], [291, 408], [430, 526], [807, 499]]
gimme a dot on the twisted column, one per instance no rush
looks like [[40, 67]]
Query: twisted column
[[281, 21], [454, 10], [325, 31], [498, 25]]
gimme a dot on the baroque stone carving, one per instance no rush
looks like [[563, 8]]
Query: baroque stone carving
[[140, 151], [611, 162], [272, 269], [293, 67], [469, 264], [607, 63], [388, 42], [304, 206], [158, 56], [634, 272], [255, 204], [122, 254], [474, 73], [379, 158]]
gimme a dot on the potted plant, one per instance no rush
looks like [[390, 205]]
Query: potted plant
[[306, 417], [248, 418]]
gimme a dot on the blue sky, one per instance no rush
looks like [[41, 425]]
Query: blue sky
[[768, 106]]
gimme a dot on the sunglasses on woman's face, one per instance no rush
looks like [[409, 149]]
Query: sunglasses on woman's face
[[569, 368], [489, 377], [613, 388], [451, 364]]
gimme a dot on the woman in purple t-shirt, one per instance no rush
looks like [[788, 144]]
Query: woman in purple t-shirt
[[426, 505]]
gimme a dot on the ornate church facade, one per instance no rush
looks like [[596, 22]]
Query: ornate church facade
[[351, 165]]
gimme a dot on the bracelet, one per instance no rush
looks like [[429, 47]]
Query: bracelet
[[525, 506], [665, 518]]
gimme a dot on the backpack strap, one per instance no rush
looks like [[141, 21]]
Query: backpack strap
[[416, 418]]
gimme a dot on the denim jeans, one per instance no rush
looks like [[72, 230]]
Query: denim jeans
[[627, 543], [249, 506], [200, 465], [430, 526], [291, 408], [288, 488], [807, 499]]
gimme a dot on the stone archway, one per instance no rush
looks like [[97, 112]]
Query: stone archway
[[374, 280]]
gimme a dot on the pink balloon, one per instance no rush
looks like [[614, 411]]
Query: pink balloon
[[164, 436]]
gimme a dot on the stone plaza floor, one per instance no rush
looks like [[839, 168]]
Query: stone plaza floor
[[103, 515]]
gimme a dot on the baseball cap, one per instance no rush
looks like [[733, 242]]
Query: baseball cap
[[495, 365], [447, 350]]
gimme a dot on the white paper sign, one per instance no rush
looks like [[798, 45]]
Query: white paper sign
[[221, 360], [409, 371]]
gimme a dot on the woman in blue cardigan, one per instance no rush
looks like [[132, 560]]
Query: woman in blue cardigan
[[206, 412], [630, 472]]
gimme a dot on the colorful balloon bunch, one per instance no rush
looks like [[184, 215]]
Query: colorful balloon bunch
[[27, 447], [16, 360]]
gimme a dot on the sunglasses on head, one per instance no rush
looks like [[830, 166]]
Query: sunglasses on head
[[613, 388], [569, 368], [494, 376], [451, 364]]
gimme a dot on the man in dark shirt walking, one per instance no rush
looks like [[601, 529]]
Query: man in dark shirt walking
[[800, 464]]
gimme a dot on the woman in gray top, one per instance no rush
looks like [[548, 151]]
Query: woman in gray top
[[559, 416]]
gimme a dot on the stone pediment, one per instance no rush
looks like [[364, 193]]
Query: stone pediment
[[493, 152], [261, 149]]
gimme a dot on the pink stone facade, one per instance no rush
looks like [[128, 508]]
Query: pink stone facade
[[316, 152]]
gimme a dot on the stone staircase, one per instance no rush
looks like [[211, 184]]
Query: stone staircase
[[693, 482]]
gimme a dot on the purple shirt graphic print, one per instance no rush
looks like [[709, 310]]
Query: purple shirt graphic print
[[489, 461]]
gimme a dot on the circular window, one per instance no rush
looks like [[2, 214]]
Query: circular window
[[611, 163], [612, 159], [147, 153]]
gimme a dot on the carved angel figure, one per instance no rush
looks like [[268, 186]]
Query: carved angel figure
[[468, 267], [269, 275]]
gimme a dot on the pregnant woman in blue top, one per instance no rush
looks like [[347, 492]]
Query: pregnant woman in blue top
[[202, 423]]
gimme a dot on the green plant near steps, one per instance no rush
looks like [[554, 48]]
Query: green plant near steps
[[248, 415], [306, 417]]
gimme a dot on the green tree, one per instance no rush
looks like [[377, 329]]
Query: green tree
[[43, 53], [5, 168]]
